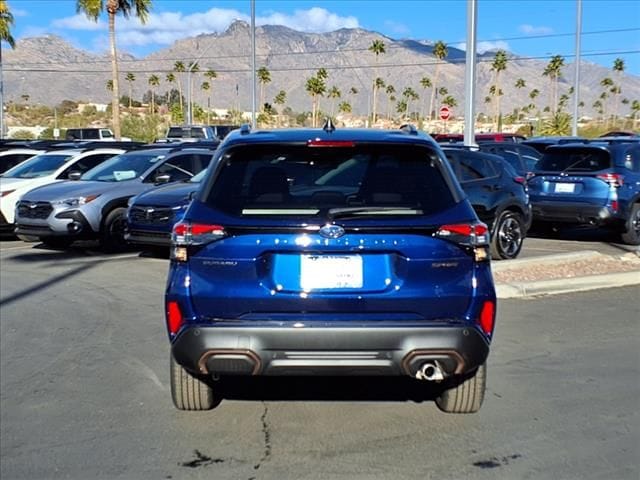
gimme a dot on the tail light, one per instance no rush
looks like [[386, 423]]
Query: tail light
[[520, 180], [613, 179], [174, 317], [474, 236], [614, 205], [190, 234], [487, 317]]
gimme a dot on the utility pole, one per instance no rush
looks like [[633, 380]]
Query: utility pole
[[470, 75], [576, 79], [253, 64]]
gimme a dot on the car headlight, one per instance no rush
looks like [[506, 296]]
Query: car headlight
[[76, 201]]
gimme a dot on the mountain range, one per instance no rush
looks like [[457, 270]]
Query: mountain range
[[48, 69]]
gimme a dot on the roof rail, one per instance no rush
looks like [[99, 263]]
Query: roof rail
[[409, 128], [245, 129]]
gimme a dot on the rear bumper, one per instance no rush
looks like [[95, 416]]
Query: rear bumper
[[325, 350], [148, 237], [578, 213]]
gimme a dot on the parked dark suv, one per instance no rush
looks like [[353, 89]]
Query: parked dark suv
[[499, 196], [330, 252], [589, 184]]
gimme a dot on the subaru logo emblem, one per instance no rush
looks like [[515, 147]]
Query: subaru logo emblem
[[148, 212], [33, 205], [332, 231]]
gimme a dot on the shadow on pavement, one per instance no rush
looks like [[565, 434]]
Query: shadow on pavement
[[379, 389]]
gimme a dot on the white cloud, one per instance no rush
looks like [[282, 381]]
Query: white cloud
[[397, 28], [482, 47], [167, 27], [498, 45], [17, 12], [315, 20], [78, 22], [531, 30]]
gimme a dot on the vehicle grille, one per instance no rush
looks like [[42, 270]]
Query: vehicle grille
[[150, 215], [40, 210]]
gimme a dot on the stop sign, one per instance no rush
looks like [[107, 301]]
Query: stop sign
[[445, 113]]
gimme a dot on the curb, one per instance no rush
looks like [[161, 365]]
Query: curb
[[564, 285], [555, 258]]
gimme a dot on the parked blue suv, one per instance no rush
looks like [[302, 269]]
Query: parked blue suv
[[597, 183], [330, 252]]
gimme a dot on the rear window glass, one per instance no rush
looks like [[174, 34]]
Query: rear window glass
[[574, 160], [277, 180], [123, 167], [38, 166]]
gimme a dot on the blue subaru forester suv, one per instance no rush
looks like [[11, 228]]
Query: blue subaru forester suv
[[596, 183], [330, 252]]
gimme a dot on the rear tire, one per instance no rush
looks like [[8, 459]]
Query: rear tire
[[112, 237], [508, 237], [466, 396], [631, 235], [189, 392]]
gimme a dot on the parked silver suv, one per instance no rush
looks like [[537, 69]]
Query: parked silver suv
[[94, 207]]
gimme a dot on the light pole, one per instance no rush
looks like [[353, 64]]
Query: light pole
[[470, 74], [576, 79], [193, 65]]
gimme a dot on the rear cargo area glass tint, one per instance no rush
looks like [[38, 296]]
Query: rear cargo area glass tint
[[574, 160], [285, 180]]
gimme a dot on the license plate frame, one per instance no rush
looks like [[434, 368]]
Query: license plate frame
[[565, 188], [331, 272]]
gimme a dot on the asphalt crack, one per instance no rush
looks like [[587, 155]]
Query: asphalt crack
[[267, 437], [201, 460]]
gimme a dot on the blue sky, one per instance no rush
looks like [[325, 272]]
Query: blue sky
[[530, 28]]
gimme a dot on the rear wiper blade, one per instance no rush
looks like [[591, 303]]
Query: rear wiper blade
[[349, 211]]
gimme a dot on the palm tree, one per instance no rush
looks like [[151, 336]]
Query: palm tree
[[206, 86], [211, 76], [264, 77], [553, 70], [635, 109], [316, 88], [6, 22], [409, 94], [109, 85], [192, 68], [498, 65], [440, 51], [520, 83], [618, 68], [171, 79], [280, 99], [425, 82], [153, 81], [334, 93], [377, 47], [92, 9], [378, 84], [130, 77], [344, 107], [178, 67], [605, 83], [390, 91], [450, 101]]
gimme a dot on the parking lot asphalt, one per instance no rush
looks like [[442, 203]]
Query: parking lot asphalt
[[84, 392]]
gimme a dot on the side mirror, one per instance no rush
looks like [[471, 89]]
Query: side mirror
[[74, 175], [165, 178]]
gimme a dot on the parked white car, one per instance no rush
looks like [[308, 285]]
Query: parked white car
[[11, 158], [42, 169]]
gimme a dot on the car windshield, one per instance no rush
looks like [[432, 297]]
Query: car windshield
[[38, 166], [574, 160], [126, 166], [367, 180]]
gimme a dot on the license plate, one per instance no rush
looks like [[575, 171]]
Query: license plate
[[330, 271], [565, 187]]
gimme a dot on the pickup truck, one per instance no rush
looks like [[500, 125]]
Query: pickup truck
[[190, 133]]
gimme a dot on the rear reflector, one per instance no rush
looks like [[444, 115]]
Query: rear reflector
[[487, 317], [174, 317]]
